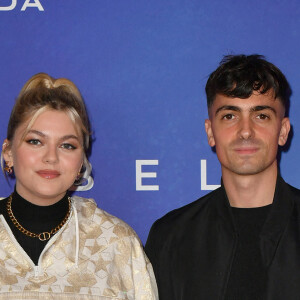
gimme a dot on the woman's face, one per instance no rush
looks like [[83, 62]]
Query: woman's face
[[46, 162]]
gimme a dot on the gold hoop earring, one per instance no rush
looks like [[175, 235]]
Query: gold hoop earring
[[8, 169], [78, 177]]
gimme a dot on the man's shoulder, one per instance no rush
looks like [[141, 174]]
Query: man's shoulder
[[189, 211], [293, 189], [293, 192]]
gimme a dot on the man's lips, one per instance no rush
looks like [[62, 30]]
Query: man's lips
[[246, 150], [48, 174]]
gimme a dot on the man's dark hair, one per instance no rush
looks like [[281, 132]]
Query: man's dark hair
[[239, 75]]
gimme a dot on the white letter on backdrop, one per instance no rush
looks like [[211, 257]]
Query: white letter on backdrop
[[204, 185], [140, 175], [10, 7], [36, 3]]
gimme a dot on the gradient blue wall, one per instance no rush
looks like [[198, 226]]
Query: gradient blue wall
[[142, 67]]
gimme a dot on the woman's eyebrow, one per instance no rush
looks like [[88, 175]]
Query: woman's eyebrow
[[65, 137], [36, 132], [69, 136]]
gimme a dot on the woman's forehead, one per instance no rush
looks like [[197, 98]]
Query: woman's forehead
[[50, 122]]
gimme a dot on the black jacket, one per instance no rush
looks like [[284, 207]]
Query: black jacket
[[192, 248]]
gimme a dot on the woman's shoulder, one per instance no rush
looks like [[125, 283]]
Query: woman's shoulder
[[90, 214]]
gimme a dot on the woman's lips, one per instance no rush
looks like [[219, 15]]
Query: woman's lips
[[48, 174]]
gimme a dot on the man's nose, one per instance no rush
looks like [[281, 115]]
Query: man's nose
[[246, 129]]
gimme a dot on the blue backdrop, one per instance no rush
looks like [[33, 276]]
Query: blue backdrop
[[142, 67]]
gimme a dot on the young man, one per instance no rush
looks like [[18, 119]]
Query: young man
[[241, 241]]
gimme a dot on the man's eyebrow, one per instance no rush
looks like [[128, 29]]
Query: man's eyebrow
[[252, 109], [227, 107], [263, 107]]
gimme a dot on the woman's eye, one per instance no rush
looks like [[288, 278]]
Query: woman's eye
[[33, 142], [68, 146]]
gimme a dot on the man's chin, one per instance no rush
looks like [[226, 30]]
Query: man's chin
[[247, 170]]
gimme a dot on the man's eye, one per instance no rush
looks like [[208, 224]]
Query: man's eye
[[68, 146], [33, 142], [263, 117], [228, 117]]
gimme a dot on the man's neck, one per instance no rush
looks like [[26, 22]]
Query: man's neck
[[249, 191]]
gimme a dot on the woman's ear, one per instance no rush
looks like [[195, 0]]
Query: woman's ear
[[7, 153]]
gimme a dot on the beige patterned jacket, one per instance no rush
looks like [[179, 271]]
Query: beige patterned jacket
[[94, 256]]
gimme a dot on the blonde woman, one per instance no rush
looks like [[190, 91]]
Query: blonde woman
[[53, 246]]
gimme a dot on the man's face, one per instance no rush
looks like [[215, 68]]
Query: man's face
[[247, 132]]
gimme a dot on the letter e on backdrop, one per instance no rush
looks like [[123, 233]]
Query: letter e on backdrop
[[140, 174]]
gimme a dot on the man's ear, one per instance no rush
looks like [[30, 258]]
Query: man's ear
[[209, 132], [284, 131], [7, 153]]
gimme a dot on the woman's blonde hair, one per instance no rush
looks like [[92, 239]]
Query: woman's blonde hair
[[43, 92]]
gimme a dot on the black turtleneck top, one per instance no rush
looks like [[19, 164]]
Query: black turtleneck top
[[34, 218]]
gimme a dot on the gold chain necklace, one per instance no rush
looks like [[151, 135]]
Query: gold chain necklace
[[43, 236]]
